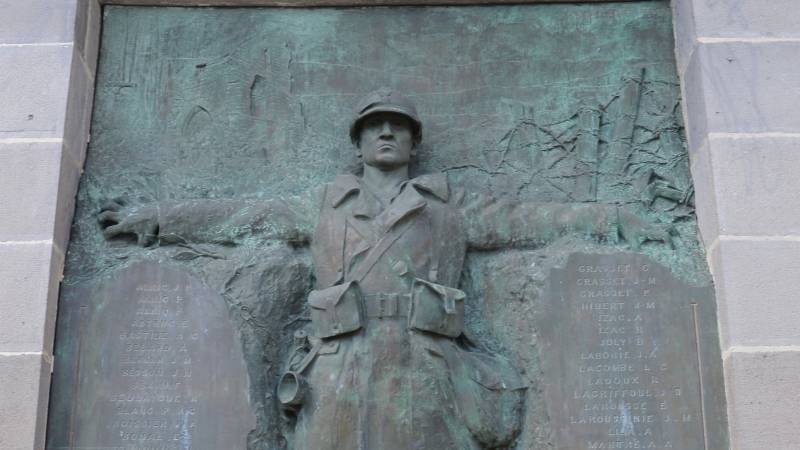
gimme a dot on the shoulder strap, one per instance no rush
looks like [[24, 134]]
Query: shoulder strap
[[375, 253]]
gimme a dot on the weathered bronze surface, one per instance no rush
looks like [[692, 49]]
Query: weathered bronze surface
[[158, 365], [385, 366], [219, 134], [632, 350]]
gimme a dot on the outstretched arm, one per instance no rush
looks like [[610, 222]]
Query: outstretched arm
[[219, 221], [493, 223]]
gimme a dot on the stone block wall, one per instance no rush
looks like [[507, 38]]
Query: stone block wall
[[738, 65], [48, 51], [741, 83]]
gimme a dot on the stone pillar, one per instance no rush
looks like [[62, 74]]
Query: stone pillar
[[741, 87], [48, 50]]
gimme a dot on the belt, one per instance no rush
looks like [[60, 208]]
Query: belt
[[384, 305]]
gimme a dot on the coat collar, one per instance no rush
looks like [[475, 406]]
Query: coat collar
[[342, 187], [433, 183], [345, 185]]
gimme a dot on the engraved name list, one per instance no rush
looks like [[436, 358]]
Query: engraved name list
[[626, 352]]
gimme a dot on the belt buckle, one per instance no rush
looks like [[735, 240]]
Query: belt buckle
[[387, 305]]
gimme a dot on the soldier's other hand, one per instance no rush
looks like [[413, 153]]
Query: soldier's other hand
[[636, 231], [119, 220]]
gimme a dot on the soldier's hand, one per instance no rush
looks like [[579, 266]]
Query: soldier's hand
[[118, 220], [636, 231]]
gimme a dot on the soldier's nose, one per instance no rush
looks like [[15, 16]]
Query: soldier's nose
[[386, 130]]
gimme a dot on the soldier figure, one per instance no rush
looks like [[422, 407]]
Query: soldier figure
[[389, 368]]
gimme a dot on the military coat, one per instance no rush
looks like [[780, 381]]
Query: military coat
[[386, 384]]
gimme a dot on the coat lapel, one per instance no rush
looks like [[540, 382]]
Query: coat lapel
[[361, 236], [408, 202]]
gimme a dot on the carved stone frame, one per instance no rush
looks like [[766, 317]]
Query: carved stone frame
[[30, 422]]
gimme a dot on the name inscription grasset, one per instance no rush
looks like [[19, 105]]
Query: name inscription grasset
[[630, 350], [627, 357]]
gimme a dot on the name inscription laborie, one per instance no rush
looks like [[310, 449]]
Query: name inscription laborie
[[160, 367], [623, 337]]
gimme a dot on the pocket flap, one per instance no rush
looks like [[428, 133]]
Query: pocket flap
[[328, 298], [447, 295]]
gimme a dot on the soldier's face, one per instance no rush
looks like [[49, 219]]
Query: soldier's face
[[387, 140]]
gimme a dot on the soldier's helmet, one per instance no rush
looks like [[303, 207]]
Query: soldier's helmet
[[385, 100]]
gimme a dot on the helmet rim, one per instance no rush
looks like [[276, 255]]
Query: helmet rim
[[385, 101]]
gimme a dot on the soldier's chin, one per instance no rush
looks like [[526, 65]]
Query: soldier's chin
[[387, 162]]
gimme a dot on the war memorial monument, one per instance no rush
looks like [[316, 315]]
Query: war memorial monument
[[433, 228]]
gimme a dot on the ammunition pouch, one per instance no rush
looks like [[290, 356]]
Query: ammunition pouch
[[336, 310], [436, 309]]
